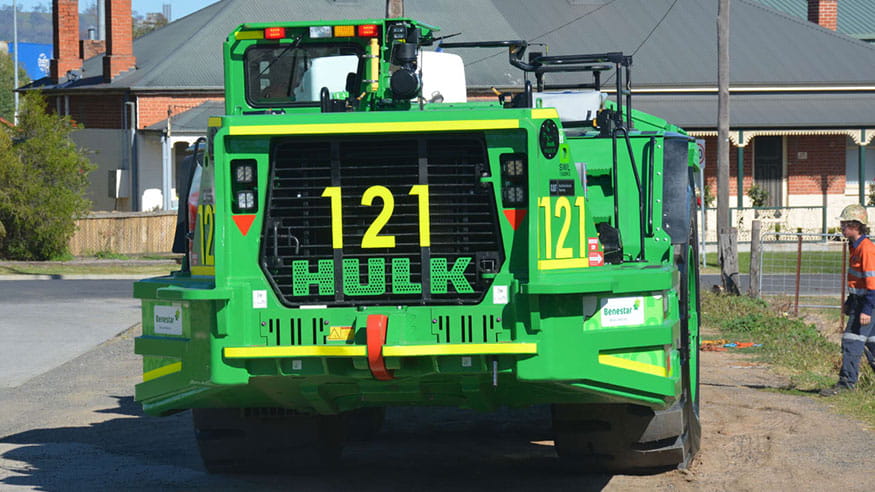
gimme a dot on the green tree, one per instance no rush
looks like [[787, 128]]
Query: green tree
[[43, 179], [145, 25], [7, 84]]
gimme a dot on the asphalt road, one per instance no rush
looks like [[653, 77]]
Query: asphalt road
[[45, 323]]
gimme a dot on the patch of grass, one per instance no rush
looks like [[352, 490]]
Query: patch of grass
[[109, 255], [90, 267], [66, 256], [169, 257], [795, 347], [784, 262], [713, 264]]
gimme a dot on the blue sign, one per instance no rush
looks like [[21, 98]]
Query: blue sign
[[34, 58]]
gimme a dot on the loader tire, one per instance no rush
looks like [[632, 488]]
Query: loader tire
[[271, 440], [363, 424], [625, 438]]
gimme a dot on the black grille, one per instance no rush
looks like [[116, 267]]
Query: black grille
[[298, 223], [295, 331]]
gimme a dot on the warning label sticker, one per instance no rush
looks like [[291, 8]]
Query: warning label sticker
[[341, 334]]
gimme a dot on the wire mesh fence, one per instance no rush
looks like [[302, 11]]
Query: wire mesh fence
[[809, 267]]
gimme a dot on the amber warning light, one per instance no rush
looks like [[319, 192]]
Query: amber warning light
[[275, 33]]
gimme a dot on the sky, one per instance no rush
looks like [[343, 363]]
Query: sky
[[180, 8]]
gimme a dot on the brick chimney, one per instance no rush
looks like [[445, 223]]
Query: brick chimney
[[824, 13], [65, 27], [91, 47], [119, 39]]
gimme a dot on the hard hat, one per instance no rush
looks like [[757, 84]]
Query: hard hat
[[855, 212]]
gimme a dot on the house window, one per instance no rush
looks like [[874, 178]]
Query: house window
[[852, 158]]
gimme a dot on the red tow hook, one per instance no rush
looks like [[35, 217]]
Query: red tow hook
[[376, 330]]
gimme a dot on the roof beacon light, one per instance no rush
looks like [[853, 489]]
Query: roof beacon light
[[367, 30], [344, 31], [275, 33], [317, 32]]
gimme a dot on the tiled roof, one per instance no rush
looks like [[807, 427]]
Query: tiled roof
[[856, 18], [673, 41], [698, 112]]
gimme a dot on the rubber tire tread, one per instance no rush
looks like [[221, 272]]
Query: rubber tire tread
[[233, 441], [363, 424], [620, 438]]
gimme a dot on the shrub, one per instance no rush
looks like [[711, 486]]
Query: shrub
[[758, 195], [43, 178]]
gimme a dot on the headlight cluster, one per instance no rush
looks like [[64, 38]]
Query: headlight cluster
[[514, 180], [244, 185]]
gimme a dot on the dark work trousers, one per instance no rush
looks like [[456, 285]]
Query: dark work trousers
[[856, 339]]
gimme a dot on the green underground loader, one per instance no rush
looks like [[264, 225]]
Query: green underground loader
[[358, 234]]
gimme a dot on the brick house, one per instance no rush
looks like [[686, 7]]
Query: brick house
[[115, 96], [801, 119], [801, 94]]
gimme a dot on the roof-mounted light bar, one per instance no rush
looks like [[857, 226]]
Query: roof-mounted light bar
[[275, 33], [315, 32]]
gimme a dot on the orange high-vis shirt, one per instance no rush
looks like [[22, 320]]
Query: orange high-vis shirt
[[861, 272]]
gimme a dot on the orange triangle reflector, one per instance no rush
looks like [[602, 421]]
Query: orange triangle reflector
[[244, 222], [515, 216]]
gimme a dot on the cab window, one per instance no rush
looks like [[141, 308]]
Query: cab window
[[294, 74]]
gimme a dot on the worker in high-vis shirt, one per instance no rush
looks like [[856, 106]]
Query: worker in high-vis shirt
[[859, 333]]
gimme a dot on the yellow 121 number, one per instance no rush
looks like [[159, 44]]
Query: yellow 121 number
[[372, 237], [206, 215], [562, 210]]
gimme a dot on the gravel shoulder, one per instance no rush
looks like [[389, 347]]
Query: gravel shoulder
[[77, 427]]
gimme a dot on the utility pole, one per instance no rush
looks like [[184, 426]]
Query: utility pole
[[725, 233], [394, 9], [15, 61]]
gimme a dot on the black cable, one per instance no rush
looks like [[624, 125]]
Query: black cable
[[655, 27], [572, 21]]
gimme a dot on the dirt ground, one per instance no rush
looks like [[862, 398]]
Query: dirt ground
[[78, 428], [757, 439]]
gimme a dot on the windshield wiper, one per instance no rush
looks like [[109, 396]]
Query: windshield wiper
[[293, 45]]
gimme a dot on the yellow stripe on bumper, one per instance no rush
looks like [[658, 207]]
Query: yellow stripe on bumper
[[295, 351], [162, 371], [461, 349], [611, 360], [388, 350]]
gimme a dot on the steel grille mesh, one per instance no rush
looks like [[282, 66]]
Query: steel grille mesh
[[298, 222]]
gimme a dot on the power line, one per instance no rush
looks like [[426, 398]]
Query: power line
[[572, 21], [655, 27]]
